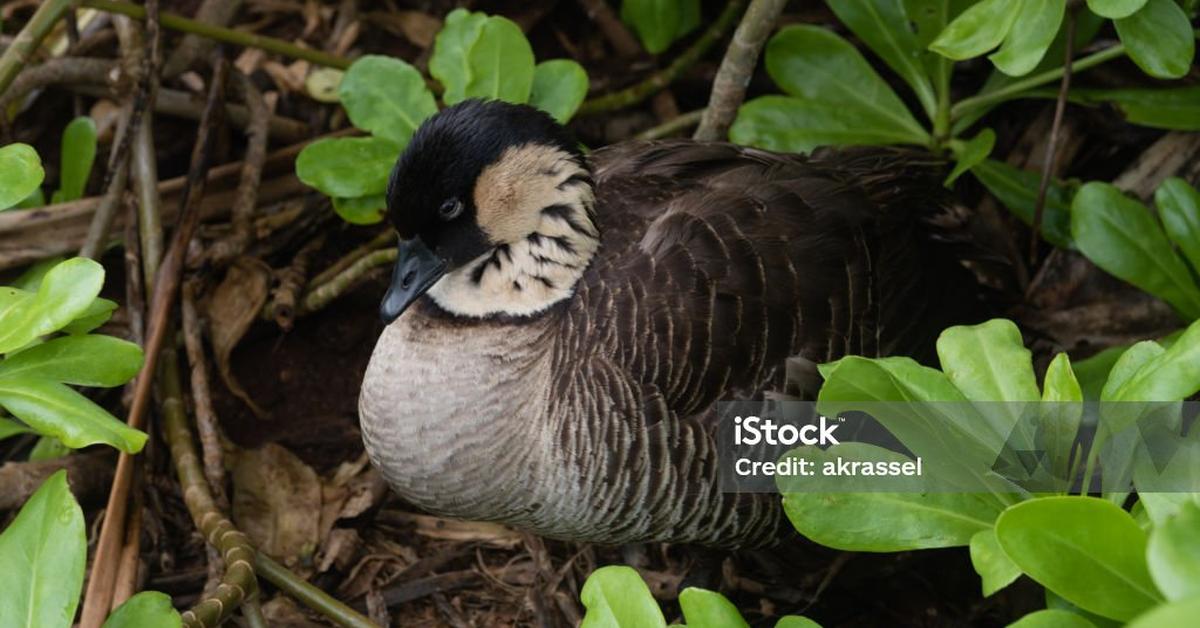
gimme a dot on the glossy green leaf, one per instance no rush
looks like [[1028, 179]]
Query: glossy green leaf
[[883, 26], [884, 521], [708, 609], [1121, 236], [988, 361], [968, 154], [1092, 373], [1085, 549], [1159, 39], [480, 56], [54, 409], [20, 173], [617, 597], [10, 428], [95, 315], [1017, 189], [1052, 618], [1030, 36], [993, 566], [796, 621], [1115, 9], [348, 167], [43, 551], [79, 360], [78, 155], [387, 97], [559, 87], [65, 293], [1174, 553], [1171, 108], [32, 277], [795, 125], [1180, 614], [659, 23], [362, 210], [148, 608], [48, 448], [1058, 421], [1179, 207], [816, 65], [978, 30]]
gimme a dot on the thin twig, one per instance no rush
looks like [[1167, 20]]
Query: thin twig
[[674, 125], [661, 79], [246, 200], [206, 418], [227, 35], [729, 86], [1051, 155], [386, 238], [282, 306], [318, 296], [20, 52], [194, 48], [614, 29], [309, 595], [58, 71]]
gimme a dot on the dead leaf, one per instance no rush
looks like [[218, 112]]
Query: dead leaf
[[339, 549], [234, 306], [417, 27], [484, 532], [275, 496], [282, 612]]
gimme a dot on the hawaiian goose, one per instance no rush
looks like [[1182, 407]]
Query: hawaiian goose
[[560, 326]]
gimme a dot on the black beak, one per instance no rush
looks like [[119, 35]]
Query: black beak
[[417, 269]]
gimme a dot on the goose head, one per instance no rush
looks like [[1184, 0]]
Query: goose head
[[493, 205]]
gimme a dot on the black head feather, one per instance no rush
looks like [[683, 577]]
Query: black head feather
[[444, 159]]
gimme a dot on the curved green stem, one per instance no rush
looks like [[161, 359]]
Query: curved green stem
[[1014, 89]]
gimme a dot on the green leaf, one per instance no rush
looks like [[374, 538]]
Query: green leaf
[[348, 167], [20, 173], [10, 428], [883, 26], [1120, 235], [884, 521], [988, 361], [819, 67], [795, 125], [1179, 614], [978, 30], [43, 551], [1052, 618], [387, 97], [1159, 39], [993, 566], [79, 360], [64, 294], [796, 621], [1017, 189], [1085, 549], [477, 56], [1173, 553], [1171, 108], [616, 597], [1058, 422], [708, 609], [969, 154], [78, 155], [148, 608], [53, 409], [659, 23], [31, 278], [94, 316], [559, 87], [1093, 372], [1179, 207], [48, 448], [1115, 9], [363, 210], [1030, 36]]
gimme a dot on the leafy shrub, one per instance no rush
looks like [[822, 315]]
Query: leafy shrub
[[1085, 550], [474, 56], [616, 597], [20, 173], [21, 168]]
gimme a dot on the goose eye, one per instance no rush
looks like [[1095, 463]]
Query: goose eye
[[450, 209]]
